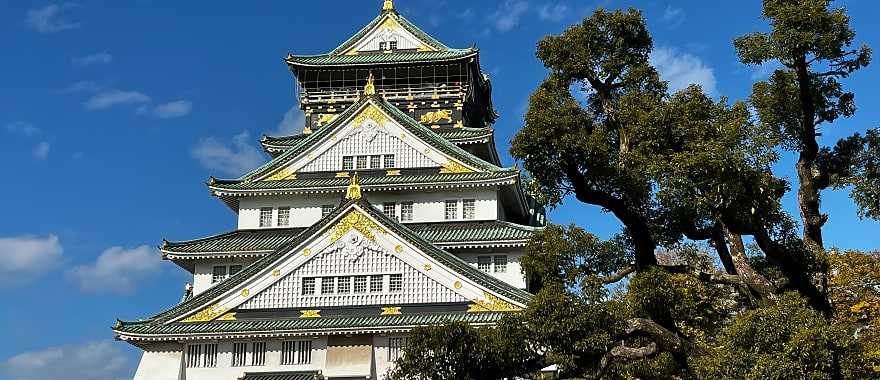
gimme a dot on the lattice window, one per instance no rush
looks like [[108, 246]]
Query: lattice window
[[283, 216], [500, 264], [234, 269], [343, 284], [266, 217], [361, 162], [375, 162], [469, 209], [395, 347], [484, 263], [406, 211], [360, 284], [392, 45], [219, 274], [376, 283], [383, 45], [296, 352], [308, 286], [347, 162], [239, 354], [395, 282], [326, 210], [389, 160], [390, 209], [201, 355], [451, 209], [258, 353], [328, 285]]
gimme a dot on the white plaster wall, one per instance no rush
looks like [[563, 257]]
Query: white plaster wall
[[204, 271], [513, 275], [428, 206], [225, 371], [380, 355], [161, 362]]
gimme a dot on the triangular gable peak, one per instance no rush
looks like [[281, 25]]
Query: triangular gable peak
[[358, 232], [389, 27], [371, 126]]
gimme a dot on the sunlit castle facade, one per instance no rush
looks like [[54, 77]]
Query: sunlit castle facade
[[390, 211]]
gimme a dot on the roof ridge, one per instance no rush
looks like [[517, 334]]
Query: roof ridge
[[403, 21]]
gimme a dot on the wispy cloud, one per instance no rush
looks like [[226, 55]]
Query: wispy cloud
[[508, 15], [108, 98], [117, 270], [26, 257], [233, 159], [763, 71], [170, 110], [673, 16], [22, 128], [49, 19], [682, 69], [41, 151], [103, 360], [100, 58], [555, 12], [292, 123]]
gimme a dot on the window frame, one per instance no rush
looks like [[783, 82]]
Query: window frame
[[307, 288], [347, 162], [468, 203], [454, 208], [388, 161], [395, 279], [499, 267], [407, 211], [266, 218], [278, 217], [390, 210], [484, 260]]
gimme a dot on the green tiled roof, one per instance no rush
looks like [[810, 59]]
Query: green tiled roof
[[445, 258], [292, 375], [410, 124], [264, 241], [366, 181], [380, 58], [412, 28], [451, 134], [307, 324]]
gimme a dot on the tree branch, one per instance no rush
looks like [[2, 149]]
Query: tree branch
[[665, 339], [617, 276]]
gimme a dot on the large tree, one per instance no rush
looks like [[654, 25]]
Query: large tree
[[690, 180]]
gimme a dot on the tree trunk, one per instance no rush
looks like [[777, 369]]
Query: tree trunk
[[755, 281], [808, 189]]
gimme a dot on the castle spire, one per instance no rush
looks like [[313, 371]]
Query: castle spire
[[388, 5], [354, 188]]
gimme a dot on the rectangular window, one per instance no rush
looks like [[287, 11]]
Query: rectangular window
[[484, 263], [389, 161], [266, 217], [361, 162], [328, 285], [468, 209], [343, 285], [451, 209], [500, 264], [239, 354], [234, 269], [201, 355], [360, 284], [383, 45], [390, 209], [375, 162], [395, 348], [395, 282], [219, 274], [308, 287], [296, 352], [326, 210], [392, 45], [376, 283], [406, 211], [347, 162], [258, 353], [283, 216]]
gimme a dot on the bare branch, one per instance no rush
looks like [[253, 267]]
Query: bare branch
[[617, 276]]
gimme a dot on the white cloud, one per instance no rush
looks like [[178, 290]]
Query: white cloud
[[508, 15], [673, 17], [292, 123], [118, 270], [170, 110], [48, 19], [763, 71], [99, 58], [234, 159], [553, 12], [109, 98], [683, 69], [22, 128], [89, 361], [23, 258], [41, 151]]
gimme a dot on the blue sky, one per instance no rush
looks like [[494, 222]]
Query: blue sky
[[114, 113]]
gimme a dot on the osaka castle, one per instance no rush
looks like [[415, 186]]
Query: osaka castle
[[390, 211]]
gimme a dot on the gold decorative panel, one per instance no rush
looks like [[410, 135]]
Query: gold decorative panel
[[209, 313], [491, 303], [310, 313], [454, 167], [435, 117], [357, 221], [227, 317], [370, 112], [283, 174], [391, 310]]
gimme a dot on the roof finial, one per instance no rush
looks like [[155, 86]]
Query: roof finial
[[354, 188], [370, 89], [388, 5]]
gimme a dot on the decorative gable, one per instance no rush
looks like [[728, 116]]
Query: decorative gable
[[386, 31]]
